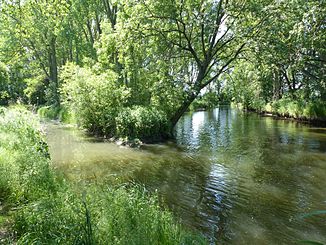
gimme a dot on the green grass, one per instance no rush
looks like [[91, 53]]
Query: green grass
[[46, 209], [299, 109], [287, 107], [111, 215]]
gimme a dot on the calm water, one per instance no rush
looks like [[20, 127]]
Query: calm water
[[236, 178]]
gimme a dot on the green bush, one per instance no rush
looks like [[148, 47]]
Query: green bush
[[48, 112], [141, 122], [66, 115], [208, 101], [95, 99], [101, 106], [36, 90], [257, 104], [315, 110]]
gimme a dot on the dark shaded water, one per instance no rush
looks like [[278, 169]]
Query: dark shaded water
[[237, 178]]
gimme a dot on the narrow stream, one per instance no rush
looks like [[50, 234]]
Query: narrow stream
[[237, 178]]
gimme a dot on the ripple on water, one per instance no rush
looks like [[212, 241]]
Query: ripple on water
[[238, 179]]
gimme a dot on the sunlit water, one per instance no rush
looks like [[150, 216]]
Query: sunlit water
[[236, 178]]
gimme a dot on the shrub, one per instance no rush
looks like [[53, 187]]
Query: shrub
[[101, 106], [66, 115], [268, 108], [208, 101], [95, 99], [257, 104], [315, 110], [36, 90], [141, 122]]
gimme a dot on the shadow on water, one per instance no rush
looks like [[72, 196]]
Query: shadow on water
[[237, 178]]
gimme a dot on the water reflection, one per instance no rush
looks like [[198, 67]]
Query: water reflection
[[237, 178]]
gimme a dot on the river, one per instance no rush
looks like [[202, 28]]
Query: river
[[236, 178]]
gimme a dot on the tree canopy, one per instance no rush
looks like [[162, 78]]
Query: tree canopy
[[160, 54]]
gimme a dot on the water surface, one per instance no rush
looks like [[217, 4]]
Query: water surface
[[237, 178]]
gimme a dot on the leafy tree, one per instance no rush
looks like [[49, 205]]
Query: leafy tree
[[288, 54], [193, 39]]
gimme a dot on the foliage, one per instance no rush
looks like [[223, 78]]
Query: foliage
[[299, 109], [95, 99], [24, 159], [161, 54], [49, 112], [102, 107], [62, 113], [36, 90], [102, 216], [285, 64], [191, 42], [4, 84], [141, 122]]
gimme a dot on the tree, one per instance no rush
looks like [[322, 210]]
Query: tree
[[196, 35], [288, 54]]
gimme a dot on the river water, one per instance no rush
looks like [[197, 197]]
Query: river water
[[236, 178]]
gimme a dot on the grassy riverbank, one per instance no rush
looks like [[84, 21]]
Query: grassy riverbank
[[312, 112], [43, 208]]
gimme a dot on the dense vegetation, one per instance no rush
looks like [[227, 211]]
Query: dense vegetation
[[104, 60], [48, 210], [130, 69], [283, 70]]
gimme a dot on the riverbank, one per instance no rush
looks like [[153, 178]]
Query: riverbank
[[313, 113], [132, 126], [315, 122], [46, 208]]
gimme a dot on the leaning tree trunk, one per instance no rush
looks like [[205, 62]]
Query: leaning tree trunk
[[182, 109], [191, 96]]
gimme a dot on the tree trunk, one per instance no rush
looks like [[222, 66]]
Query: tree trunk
[[191, 96], [54, 71], [181, 110], [276, 85]]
